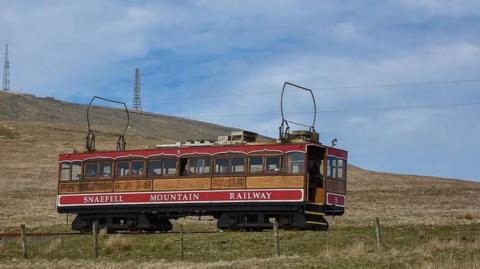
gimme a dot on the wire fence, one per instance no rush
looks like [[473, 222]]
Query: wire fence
[[178, 245]]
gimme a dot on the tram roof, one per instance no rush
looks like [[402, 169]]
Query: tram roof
[[213, 149]]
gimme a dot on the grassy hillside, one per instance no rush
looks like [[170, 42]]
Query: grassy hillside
[[346, 247], [27, 108], [34, 130], [429, 222]]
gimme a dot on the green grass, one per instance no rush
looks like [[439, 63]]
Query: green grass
[[350, 247]]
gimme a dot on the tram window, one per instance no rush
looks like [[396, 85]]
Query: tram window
[[273, 164], [91, 170], [137, 168], [341, 169], [76, 171], [237, 165], [295, 162], [123, 168], [203, 166], [332, 167], [199, 166], [169, 167], [256, 164], [65, 171], [192, 164], [154, 168], [105, 169], [221, 165]]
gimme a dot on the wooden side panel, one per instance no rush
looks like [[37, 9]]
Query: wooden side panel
[[79, 187], [228, 183], [319, 196], [133, 185], [274, 182], [336, 186], [99, 186], [68, 188], [182, 184]]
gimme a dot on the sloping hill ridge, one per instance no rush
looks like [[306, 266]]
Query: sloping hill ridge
[[34, 130], [28, 108]]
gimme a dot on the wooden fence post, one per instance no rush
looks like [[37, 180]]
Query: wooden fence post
[[23, 234], [276, 240], [95, 238], [378, 233], [182, 246]]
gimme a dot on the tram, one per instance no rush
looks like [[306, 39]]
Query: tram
[[241, 182]]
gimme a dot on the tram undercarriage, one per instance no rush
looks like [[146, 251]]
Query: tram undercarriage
[[227, 221]]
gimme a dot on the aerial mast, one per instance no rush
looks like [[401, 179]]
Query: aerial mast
[[6, 71], [137, 101]]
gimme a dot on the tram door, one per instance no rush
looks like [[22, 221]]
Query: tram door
[[315, 159]]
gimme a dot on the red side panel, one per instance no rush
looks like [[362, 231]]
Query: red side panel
[[335, 199], [175, 152], [339, 153], [182, 197]]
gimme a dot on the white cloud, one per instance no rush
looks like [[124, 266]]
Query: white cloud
[[74, 50], [442, 7], [346, 32]]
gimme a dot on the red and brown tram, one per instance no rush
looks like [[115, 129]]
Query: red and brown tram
[[242, 185], [239, 181]]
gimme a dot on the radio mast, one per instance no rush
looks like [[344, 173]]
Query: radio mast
[[6, 71], [137, 101]]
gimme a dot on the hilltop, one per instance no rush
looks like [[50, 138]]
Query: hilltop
[[34, 130], [20, 107]]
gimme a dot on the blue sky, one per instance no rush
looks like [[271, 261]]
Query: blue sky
[[226, 62]]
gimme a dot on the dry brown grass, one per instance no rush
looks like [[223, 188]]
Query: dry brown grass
[[28, 168], [53, 246], [281, 262], [452, 263], [357, 249], [117, 243]]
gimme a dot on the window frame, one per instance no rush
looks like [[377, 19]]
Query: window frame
[[195, 172], [228, 159], [330, 171], [344, 169], [177, 168], [143, 167], [84, 170], [263, 164], [148, 167], [129, 175], [336, 168], [280, 162], [97, 177], [288, 162], [80, 164], [243, 163], [60, 169], [111, 167]]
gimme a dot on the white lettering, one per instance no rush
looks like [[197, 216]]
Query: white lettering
[[102, 199], [159, 197], [256, 195]]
